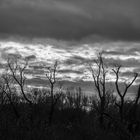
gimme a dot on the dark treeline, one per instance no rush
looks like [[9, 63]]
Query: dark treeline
[[39, 114]]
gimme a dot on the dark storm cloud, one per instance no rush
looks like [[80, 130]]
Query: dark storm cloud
[[2, 65], [131, 52], [31, 57], [67, 71], [6, 55], [127, 74], [34, 72], [75, 19], [130, 62], [75, 60]]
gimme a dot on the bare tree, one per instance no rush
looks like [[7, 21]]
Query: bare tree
[[14, 76], [134, 123], [17, 70], [8, 89], [51, 76], [99, 72], [137, 97], [122, 94]]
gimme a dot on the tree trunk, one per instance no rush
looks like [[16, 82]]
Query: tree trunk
[[102, 108], [121, 110], [52, 106]]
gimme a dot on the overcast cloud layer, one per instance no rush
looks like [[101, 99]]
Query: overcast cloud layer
[[71, 19], [73, 32]]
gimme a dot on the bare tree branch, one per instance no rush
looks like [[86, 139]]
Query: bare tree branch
[[123, 93], [17, 72]]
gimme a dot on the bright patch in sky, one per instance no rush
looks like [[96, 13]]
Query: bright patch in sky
[[72, 59]]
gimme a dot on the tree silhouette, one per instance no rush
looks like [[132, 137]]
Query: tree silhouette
[[122, 94], [16, 70], [99, 73], [7, 87], [51, 76]]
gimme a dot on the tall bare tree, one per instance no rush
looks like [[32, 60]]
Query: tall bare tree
[[122, 94], [17, 71], [99, 72], [51, 76]]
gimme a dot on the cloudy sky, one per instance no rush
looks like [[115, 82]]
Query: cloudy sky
[[73, 32]]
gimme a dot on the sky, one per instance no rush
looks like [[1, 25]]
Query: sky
[[73, 32]]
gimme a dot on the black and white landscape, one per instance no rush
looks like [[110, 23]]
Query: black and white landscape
[[69, 69]]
